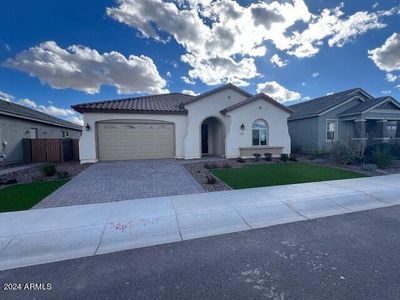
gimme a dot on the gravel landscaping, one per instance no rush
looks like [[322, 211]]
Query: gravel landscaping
[[34, 174], [393, 169], [209, 182]]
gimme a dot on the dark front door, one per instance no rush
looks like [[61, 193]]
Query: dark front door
[[204, 138]]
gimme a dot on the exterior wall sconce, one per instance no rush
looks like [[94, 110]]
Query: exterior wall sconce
[[87, 127], [242, 127]]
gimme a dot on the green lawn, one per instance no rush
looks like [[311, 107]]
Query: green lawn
[[24, 196], [278, 174]]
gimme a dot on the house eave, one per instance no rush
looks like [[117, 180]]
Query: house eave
[[18, 116], [125, 111]]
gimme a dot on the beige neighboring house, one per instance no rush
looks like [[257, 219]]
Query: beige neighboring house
[[226, 121]]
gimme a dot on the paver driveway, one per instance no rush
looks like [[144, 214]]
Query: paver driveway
[[124, 180]]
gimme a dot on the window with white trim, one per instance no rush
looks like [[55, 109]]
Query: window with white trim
[[260, 133], [331, 130]]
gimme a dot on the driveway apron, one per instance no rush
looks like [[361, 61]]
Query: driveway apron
[[124, 180]]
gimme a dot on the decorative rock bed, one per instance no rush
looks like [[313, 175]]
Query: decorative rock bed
[[35, 174], [210, 183]]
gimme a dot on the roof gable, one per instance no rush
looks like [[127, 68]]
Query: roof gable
[[382, 103], [323, 104], [254, 98], [216, 90]]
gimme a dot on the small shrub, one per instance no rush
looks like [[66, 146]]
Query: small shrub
[[62, 174], [227, 166], [256, 156], [342, 154], [381, 157], [284, 157], [48, 170], [268, 156], [211, 180], [240, 160], [292, 157], [369, 167]]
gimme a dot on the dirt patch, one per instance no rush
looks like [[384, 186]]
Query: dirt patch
[[35, 174]]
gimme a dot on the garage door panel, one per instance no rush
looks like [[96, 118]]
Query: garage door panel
[[124, 141]]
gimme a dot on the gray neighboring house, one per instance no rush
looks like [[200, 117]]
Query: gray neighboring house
[[346, 117], [18, 122]]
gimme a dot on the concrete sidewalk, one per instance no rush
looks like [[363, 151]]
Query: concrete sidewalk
[[53, 234]]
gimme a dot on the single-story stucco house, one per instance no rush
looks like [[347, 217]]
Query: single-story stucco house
[[18, 122], [226, 121], [346, 117]]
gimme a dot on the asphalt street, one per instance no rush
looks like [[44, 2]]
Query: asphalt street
[[351, 256]]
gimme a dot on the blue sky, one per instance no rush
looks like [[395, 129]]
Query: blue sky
[[57, 53]]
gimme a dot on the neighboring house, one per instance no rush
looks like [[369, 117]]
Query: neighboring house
[[18, 122], [226, 121], [346, 117]]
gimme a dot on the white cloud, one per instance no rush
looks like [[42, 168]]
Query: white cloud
[[387, 57], [391, 77], [386, 92], [219, 36], [85, 69], [277, 91], [6, 97], [76, 120], [56, 111], [216, 70], [64, 113], [168, 74], [188, 80], [277, 61], [225, 31], [375, 5], [329, 93], [397, 86], [303, 84], [306, 98], [189, 92], [315, 74], [27, 102], [334, 25]]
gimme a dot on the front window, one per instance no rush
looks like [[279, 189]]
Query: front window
[[260, 133], [331, 130]]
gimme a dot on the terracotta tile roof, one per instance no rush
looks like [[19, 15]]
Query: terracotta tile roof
[[164, 103], [24, 112]]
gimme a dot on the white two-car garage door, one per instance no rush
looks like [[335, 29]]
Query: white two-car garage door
[[124, 141]]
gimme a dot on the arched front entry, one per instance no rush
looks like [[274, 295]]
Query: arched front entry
[[212, 137]]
